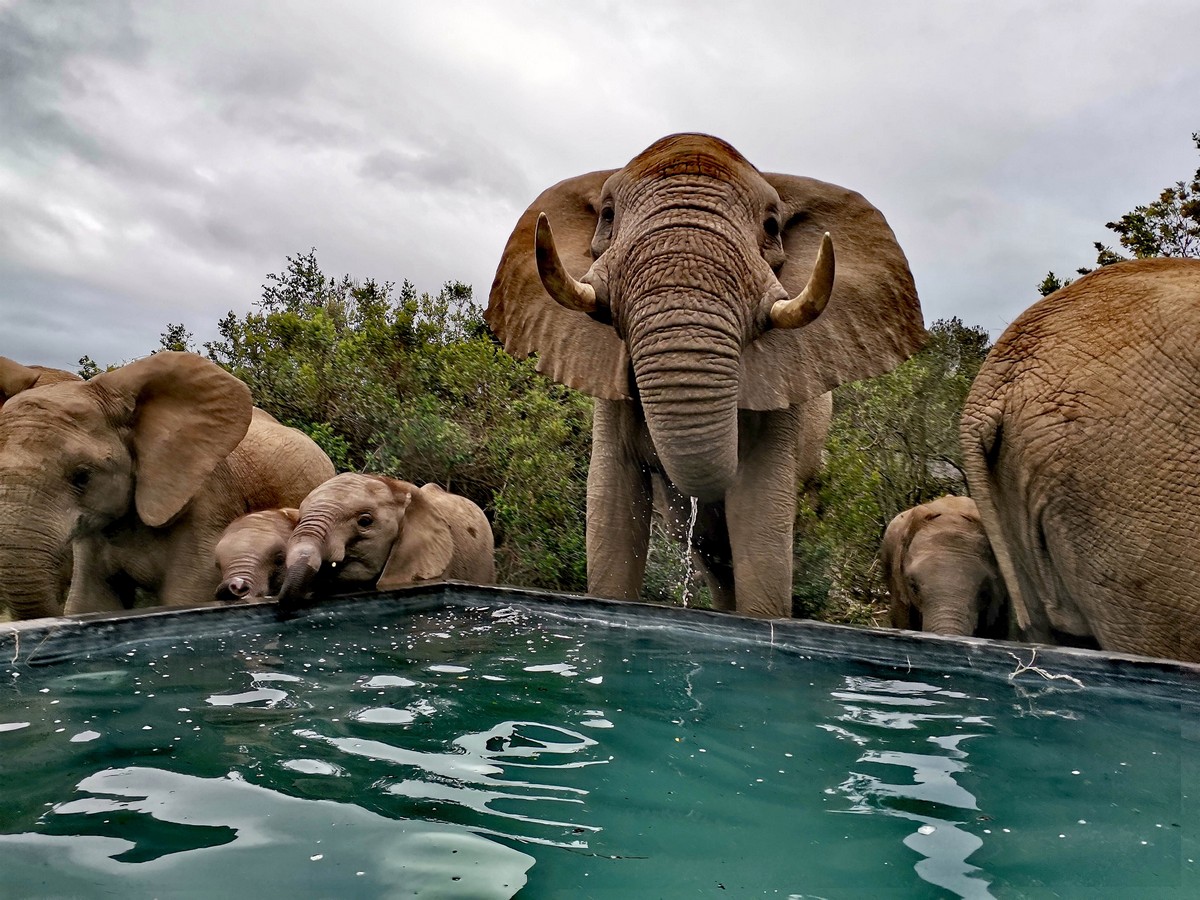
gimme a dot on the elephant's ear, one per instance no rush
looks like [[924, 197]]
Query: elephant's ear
[[873, 320], [14, 378], [186, 415], [425, 545], [891, 559], [572, 347]]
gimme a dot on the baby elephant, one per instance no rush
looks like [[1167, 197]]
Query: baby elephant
[[251, 554], [358, 532], [941, 572]]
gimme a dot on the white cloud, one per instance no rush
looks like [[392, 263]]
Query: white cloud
[[159, 160]]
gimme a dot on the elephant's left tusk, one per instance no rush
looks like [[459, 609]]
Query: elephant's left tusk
[[557, 281], [810, 302]]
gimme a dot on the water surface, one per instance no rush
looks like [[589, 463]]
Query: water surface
[[482, 752]]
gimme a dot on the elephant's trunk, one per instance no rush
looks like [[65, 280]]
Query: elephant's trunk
[[35, 559], [303, 564], [236, 586], [952, 605], [686, 356]]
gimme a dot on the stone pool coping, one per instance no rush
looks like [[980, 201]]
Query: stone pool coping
[[39, 642]]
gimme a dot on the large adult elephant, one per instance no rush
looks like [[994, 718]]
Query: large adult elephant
[[697, 299], [1081, 439], [136, 473]]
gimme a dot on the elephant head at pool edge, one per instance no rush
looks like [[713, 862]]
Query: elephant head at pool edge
[[135, 474], [357, 532], [252, 553], [941, 573], [1079, 439], [698, 300]]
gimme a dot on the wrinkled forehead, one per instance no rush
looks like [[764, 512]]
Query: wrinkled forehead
[[690, 154], [349, 488], [52, 412]]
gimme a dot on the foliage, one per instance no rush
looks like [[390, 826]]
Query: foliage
[[176, 337], [88, 368], [393, 381], [893, 444], [412, 385], [1168, 226]]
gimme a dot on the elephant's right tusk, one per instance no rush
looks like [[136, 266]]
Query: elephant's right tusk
[[810, 302], [555, 278]]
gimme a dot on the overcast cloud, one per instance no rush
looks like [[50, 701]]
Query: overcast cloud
[[158, 160]]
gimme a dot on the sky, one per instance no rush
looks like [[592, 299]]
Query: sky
[[159, 160]]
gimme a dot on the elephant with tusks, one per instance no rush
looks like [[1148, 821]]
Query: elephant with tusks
[[698, 300]]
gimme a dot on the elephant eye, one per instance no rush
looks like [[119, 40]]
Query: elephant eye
[[771, 227], [366, 520], [607, 214], [80, 478]]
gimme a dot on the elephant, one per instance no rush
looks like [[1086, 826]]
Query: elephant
[[136, 473], [1081, 445], [697, 300], [15, 377], [941, 573], [358, 532], [251, 554]]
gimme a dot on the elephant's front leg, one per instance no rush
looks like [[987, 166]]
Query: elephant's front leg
[[760, 510], [618, 504]]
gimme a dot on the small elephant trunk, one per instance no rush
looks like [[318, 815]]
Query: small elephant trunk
[[303, 564]]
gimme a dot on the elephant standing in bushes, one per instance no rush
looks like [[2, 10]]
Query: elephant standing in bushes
[[941, 573], [697, 299], [358, 532], [1081, 443], [252, 552], [136, 473]]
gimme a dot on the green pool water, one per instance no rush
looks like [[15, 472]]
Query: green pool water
[[491, 752]]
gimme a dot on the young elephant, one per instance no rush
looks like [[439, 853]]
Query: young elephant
[[941, 572], [364, 531], [252, 552], [134, 475]]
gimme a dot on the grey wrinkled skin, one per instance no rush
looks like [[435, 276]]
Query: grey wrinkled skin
[[131, 477], [686, 249], [1081, 443], [251, 554], [15, 378], [357, 532], [941, 573]]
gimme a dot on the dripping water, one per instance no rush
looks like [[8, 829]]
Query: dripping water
[[687, 552]]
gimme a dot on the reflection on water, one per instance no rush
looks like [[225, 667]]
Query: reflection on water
[[920, 787], [160, 820]]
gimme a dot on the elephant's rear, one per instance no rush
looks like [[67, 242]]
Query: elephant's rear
[[1081, 440]]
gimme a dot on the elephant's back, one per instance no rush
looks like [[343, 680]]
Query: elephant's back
[[1089, 408], [275, 465]]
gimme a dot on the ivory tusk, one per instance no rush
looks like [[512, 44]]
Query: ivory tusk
[[810, 302], [555, 278]]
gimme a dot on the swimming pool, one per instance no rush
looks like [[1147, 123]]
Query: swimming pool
[[452, 741]]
